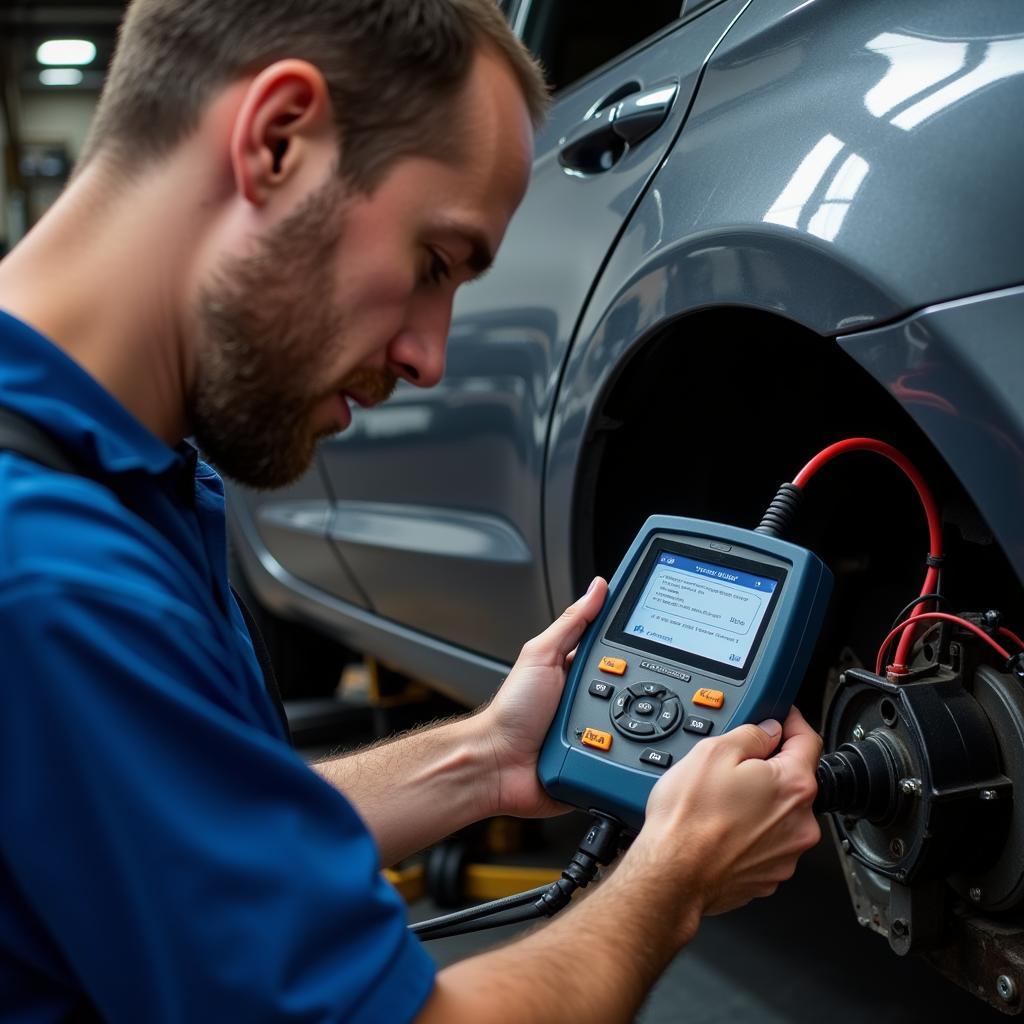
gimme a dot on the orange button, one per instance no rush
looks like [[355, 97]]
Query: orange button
[[596, 738], [709, 698], [617, 666]]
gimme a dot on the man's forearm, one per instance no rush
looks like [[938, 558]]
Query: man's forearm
[[595, 962], [420, 787]]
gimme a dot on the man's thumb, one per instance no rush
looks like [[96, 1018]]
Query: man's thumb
[[564, 633], [755, 740]]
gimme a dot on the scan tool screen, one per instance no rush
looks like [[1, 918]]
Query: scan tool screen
[[711, 611]]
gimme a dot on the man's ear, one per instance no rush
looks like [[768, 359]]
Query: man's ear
[[283, 125]]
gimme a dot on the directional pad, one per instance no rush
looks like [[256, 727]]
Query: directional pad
[[648, 709]]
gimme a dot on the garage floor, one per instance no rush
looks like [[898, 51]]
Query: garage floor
[[797, 957]]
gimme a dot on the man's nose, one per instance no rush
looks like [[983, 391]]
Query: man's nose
[[417, 353]]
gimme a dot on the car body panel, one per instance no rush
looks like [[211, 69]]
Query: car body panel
[[293, 523], [839, 130], [957, 369], [450, 669], [813, 182]]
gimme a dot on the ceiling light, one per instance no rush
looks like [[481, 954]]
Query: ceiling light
[[66, 51], [60, 76]]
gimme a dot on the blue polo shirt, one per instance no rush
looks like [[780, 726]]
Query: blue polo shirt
[[164, 855]]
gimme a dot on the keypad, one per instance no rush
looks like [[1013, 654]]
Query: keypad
[[647, 709]]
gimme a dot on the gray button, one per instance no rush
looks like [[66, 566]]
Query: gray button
[[659, 758], [669, 714], [601, 689], [639, 728], [620, 704], [643, 707], [701, 726]]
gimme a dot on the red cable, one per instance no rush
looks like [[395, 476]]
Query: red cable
[[931, 511], [936, 616], [869, 444], [1003, 631]]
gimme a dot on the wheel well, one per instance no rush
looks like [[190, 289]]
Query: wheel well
[[710, 416]]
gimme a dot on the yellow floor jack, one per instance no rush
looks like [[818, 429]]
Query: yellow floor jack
[[459, 870]]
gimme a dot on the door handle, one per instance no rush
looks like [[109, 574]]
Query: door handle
[[597, 143]]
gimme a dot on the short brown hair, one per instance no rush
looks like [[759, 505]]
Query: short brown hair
[[393, 69]]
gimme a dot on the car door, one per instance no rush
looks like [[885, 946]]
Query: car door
[[437, 505]]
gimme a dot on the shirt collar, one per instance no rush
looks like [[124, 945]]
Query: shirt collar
[[40, 381]]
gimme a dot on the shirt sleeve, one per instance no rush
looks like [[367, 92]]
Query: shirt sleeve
[[190, 866]]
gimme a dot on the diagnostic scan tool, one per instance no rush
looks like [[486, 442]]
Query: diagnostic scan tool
[[705, 627]]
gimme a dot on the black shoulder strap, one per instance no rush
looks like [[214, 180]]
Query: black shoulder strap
[[18, 434]]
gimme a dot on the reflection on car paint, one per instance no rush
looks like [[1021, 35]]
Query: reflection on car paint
[[938, 69], [826, 220]]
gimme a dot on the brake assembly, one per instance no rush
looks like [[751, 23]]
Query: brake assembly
[[919, 786]]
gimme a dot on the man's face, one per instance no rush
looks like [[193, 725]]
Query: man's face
[[351, 292]]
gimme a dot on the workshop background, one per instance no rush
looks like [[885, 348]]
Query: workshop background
[[799, 956]]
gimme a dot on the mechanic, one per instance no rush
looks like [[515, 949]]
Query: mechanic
[[269, 221]]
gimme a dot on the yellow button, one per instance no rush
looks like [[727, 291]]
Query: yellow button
[[596, 738], [616, 666], [709, 698]]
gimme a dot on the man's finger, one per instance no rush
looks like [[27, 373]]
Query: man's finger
[[562, 636], [801, 744], [751, 741]]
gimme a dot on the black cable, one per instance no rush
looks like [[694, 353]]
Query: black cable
[[513, 916], [936, 596], [598, 847], [481, 910]]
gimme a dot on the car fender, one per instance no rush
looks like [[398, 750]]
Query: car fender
[[839, 170]]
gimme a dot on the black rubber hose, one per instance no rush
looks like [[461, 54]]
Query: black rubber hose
[[779, 515]]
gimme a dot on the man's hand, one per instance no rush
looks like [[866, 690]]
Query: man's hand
[[730, 821], [723, 826], [517, 720], [431, 782]]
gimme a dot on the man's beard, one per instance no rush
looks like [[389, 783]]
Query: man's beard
[[268, 329]]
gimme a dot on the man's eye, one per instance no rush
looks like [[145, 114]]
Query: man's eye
[[438, 269]]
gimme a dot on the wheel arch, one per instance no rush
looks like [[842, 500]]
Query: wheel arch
[[706, 413]]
